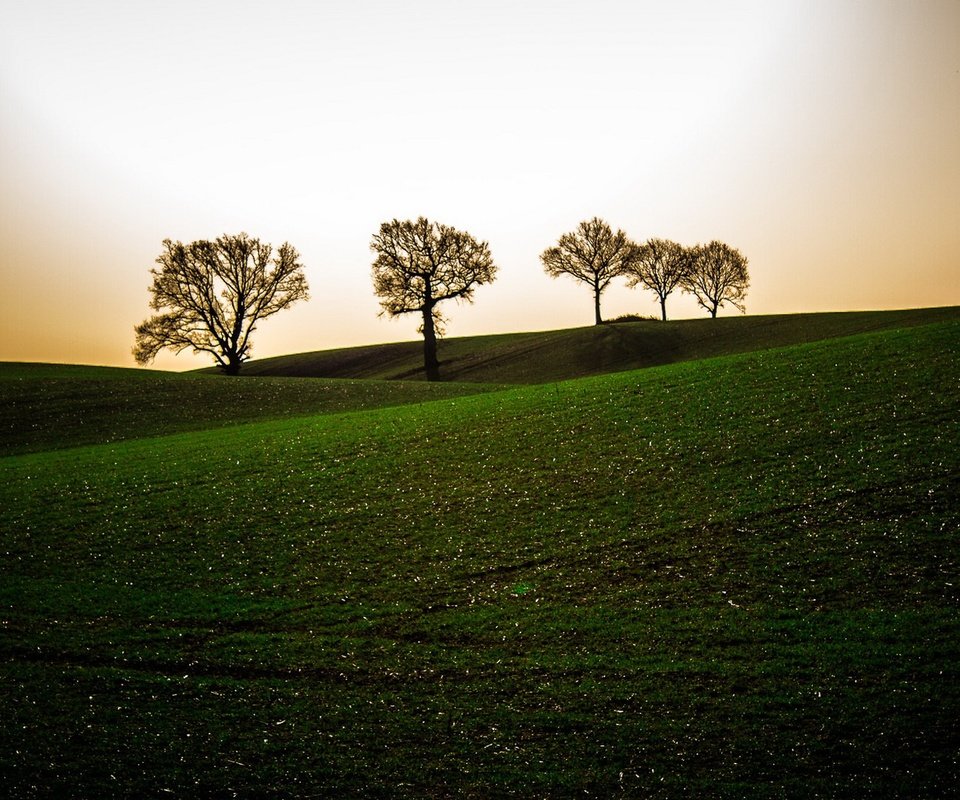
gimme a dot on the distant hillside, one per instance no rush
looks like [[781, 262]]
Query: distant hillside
[[578, 352], [53, 406]]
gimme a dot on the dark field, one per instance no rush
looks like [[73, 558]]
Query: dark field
[[579, 352], [733, 577]]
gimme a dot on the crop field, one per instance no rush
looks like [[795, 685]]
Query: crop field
[[725, 578]]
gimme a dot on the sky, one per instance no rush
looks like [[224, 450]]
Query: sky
[[819, 137]]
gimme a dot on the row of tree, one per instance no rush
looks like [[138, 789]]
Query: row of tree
[[713, 273], [212, 295]]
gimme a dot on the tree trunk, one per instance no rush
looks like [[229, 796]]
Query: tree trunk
[[596, 305], [232, 367], [663, 308], [430, 363]]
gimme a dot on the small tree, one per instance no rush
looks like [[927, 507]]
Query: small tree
[[213, 294], [592, 253], [717, 274], [659, 265], [418, 266]]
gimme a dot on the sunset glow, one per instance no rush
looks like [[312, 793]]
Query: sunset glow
[[820, 138]]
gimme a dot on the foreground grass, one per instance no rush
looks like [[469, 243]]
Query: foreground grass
[[734, 578]]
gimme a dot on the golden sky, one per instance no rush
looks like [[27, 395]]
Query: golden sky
[[820, 137]]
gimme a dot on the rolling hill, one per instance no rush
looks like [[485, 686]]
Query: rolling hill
[[574, 353], [732, 577], [53, 406], [44, 406]]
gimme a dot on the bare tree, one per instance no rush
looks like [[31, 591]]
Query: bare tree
[[717, 274], [213, 294], [660, 265], [592, 253], [419, 265]]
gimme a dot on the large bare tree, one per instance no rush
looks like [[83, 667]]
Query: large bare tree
[[660, 265], [212, 295], [421, 264], [593, 254], [717, 274]]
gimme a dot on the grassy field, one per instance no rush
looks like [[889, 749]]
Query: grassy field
[[47, 406], [735, 577], [575, 353]]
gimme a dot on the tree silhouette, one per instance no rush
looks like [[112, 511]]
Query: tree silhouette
[[660, 266], [214, 294], [717, 274], [592, 253], [418, 266]]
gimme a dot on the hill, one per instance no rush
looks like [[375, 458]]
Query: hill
[[45, 406], [51, 406], [579, 352], [727, 578]]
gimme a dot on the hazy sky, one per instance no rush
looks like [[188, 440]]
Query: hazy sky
[[820, 137]]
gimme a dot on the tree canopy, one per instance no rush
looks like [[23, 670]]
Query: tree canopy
[[593, 254], [659, 265], [717, 274], [421, 264], [212, 295]]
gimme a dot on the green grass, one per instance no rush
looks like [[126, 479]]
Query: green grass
[[561, 355], [725, 578], [43, 407]]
